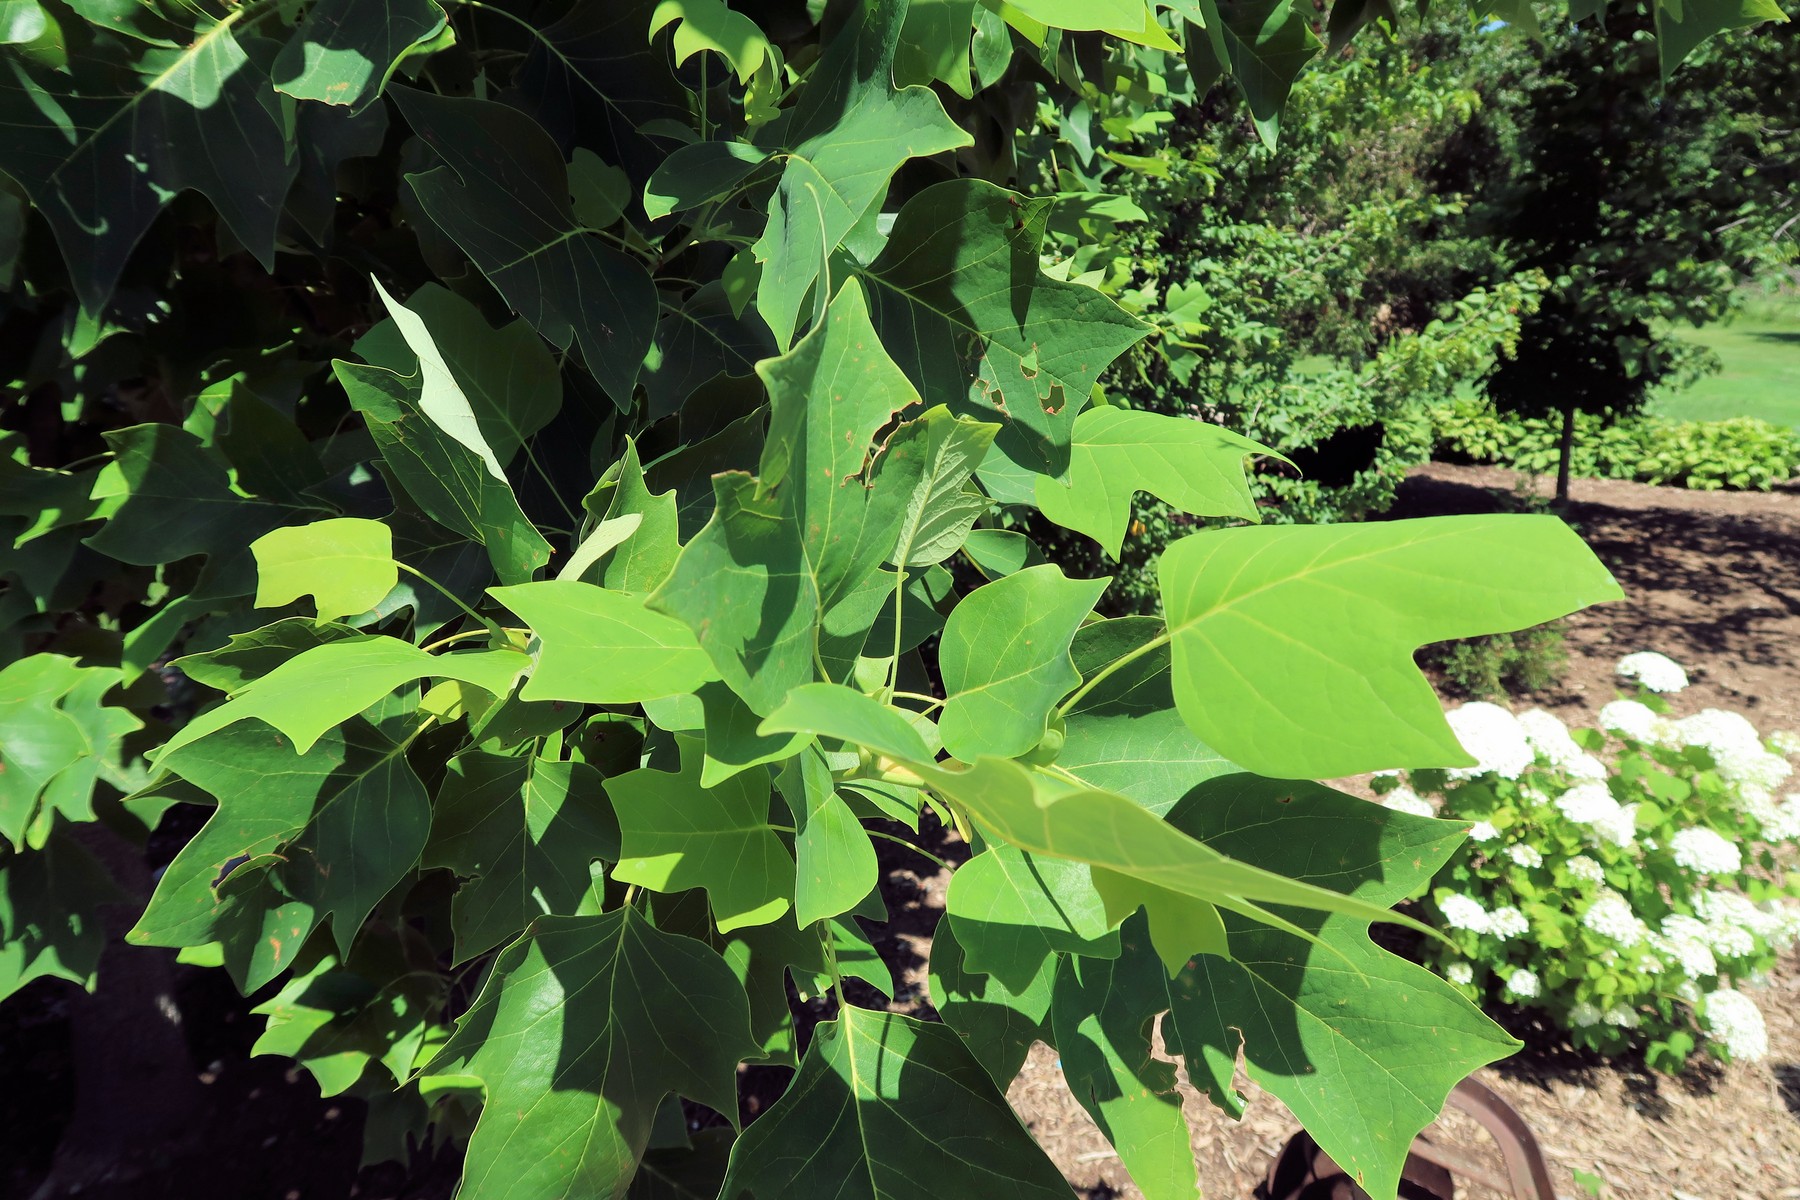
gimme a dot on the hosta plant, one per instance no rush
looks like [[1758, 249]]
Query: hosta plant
[[520, 480], [1627, 881]]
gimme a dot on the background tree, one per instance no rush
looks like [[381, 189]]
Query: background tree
[[1644, 203]]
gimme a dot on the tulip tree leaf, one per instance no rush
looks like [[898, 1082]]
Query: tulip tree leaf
[[598, 646], [676, 834], [50, 924], [583, 1027], [1005, 659], [1195, 467], [1293, 645], [335, 1021], [502, 194], [997, 1022], [848, 133], [521, 831], [1047, 816], [965, 310], [505, 376], [887, 1108], [345, 51], [833, 710], [334, 826], [456, 485], [346, 564], [827, 397], [175, 500], [328, 684], [1680, 27], [1012, 910], [1264, 44], [247, 656], [1336, 1035], [1103, 1036], [836, 862], [643, 562], [102, 150], [744, 587], [942, 506]]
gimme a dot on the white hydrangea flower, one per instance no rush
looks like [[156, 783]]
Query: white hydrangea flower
[[1524, 984], [1494, 737], [1524, 856], [1733, 923], [1703, 850], [1610, 916], [1464, 912], [1785, 741], [1623, 1016], [1404, 799], [1584, 1014], [1780, 819], [1688, 990], [1483, 831], [1786, 929], [1550, 738], [1618, 827], [1586, 869], [1507, 922], [1635, 720], [1534, 796], [1735, 1023], [1683, 938], [1752, 768], [1460, 972], [1655, 671], [1719, 731], [1586, 767]]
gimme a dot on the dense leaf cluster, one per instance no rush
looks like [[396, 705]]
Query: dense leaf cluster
[[500, 462]]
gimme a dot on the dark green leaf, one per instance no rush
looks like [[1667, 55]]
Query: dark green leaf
[[346, 50]]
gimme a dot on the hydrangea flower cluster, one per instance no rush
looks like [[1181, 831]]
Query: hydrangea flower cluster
[[1631, 880]]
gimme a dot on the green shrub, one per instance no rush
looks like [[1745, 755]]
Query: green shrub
[[1742, 453], [1626, 899], [1488, 668]]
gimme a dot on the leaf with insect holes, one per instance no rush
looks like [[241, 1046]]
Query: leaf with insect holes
[[964, 308]]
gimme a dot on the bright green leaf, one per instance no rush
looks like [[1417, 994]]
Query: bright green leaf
[[677, 835], [836, 863], [597, 646], [1005, 660], [1293, 645], [345, 51], [346, 564]]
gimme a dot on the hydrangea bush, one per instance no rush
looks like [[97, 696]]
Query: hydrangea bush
[[1628, 881]]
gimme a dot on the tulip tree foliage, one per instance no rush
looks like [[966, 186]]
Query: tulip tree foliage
[[560, 533]]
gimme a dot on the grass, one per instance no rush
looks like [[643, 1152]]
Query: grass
[[1760, 350]]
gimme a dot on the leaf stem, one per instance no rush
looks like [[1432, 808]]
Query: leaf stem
[[492, 626], [831, 963], [1160, 640], [919, 850], [930, 702]]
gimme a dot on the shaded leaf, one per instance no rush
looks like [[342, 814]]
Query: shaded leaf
[[1012, 911], [502, 194], [889, 1108], [997, 1023], [345, 51], [521, 832], [582, 1028], [965, 310]]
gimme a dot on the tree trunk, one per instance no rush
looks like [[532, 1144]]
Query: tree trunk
[[137, 1098], [1565, 456]]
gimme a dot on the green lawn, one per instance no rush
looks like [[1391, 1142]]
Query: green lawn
[[1761, 353]]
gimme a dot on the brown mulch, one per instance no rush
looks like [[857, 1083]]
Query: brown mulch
[[1713, 581]]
